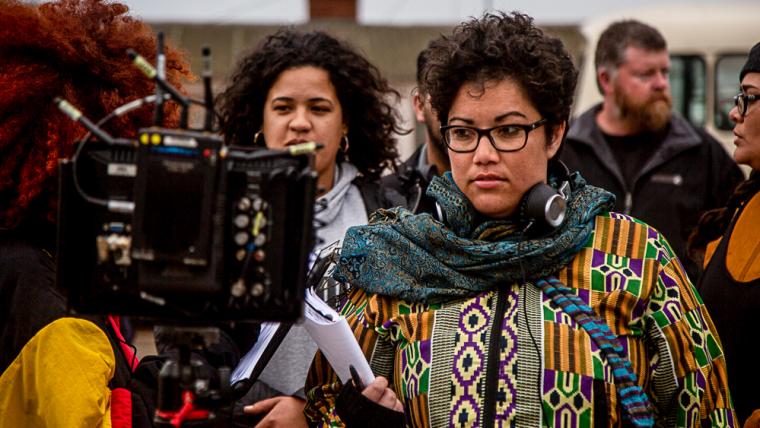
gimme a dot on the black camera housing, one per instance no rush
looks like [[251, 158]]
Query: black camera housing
[[215, 233]]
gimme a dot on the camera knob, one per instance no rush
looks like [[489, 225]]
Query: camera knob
[[257, 289], [257, 204], [241, 221], [244, 204], [260, 239], [241, 238], [238, 288]]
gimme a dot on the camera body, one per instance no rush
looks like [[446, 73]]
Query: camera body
[[194, 231]]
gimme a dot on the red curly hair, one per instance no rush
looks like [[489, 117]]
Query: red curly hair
[[75, 49]]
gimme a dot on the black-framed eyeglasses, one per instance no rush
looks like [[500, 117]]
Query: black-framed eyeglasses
[[504, 138], [742, 102]]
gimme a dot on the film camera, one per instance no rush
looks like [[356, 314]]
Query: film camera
[[178, 226]]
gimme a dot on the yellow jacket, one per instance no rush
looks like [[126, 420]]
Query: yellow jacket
[[60, 378]]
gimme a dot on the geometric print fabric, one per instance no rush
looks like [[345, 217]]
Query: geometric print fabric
[[626, 273]]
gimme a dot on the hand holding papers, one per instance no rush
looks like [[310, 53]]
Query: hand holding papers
[[336, 341]]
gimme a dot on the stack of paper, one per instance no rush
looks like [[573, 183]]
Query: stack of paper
[[334, 337]]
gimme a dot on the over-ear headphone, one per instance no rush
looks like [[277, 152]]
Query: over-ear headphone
[[542, 208]]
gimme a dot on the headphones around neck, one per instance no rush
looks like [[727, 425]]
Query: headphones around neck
[[543, 207]]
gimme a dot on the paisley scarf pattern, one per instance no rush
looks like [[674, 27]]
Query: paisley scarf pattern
[[419, 259]]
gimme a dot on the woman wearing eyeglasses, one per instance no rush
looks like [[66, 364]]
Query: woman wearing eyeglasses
[[504, 314], [730, 284]]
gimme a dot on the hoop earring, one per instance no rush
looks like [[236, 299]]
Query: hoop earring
[[256, 137], [344, 144]]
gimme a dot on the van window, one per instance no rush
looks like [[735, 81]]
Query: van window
[[687, 84], [726, 86]]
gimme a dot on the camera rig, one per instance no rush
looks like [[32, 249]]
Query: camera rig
[[176, 225]]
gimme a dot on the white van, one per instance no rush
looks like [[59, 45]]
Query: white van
[[708, 44]]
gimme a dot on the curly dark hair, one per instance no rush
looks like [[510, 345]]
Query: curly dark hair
[[75, 49], [498, 46], [360, 88]]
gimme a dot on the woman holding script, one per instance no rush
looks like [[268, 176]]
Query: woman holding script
[[530, 304], [297, 87]]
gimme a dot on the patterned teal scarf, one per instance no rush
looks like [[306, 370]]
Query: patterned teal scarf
[[419, 259]]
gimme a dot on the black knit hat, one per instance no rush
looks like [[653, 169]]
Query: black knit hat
[[753, 62]]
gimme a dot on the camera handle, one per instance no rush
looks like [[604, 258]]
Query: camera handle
[[185, 397]]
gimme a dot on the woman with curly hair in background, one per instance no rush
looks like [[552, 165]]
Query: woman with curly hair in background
[[307, 86], [75, 49]]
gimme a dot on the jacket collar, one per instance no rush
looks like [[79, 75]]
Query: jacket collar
[[681, 136]]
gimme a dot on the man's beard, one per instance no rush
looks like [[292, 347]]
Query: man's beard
[[652, 115]]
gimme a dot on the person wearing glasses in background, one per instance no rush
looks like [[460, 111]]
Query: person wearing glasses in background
[[729, 239], [501, 315]]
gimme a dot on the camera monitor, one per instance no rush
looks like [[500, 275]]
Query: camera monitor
[[189, 230]]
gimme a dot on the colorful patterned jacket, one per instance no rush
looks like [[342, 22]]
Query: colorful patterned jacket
[[436, 357]]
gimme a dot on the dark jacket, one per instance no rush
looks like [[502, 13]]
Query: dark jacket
[[411, 181], [689, 173], [29, 299], [730, 288], [377, 194]]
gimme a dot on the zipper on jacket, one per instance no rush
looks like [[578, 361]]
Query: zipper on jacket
[[494, 354]]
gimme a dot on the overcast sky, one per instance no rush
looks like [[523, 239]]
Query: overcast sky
[[379, 12]]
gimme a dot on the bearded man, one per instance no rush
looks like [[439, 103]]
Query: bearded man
[[661, 169]]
